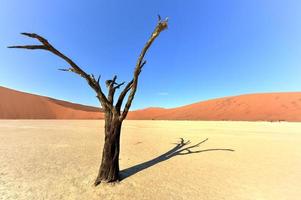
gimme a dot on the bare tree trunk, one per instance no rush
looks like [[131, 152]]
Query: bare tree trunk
[[109, 168]]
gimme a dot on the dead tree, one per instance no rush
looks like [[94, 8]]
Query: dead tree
[[114, 114]]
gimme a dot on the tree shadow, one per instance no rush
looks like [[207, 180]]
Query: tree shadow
[[175, 151]]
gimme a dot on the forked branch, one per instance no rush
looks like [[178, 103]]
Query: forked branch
[[112, 86], [106, 102], [94, 84]]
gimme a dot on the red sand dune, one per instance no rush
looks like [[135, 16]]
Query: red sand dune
[[20, 105], [252, 107]]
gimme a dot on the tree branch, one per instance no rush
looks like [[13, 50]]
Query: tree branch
[[119, 85], [161, 26], [67, 70], [125, 91], [29, 47], [122, 95], [110, 84], [113, 85], [74, 68]]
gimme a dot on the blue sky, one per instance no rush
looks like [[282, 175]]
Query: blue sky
[[212, 48]]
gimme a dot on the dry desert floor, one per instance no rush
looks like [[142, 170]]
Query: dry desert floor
[[59, 159]]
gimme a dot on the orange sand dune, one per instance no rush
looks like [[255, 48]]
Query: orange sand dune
[[20, 105], [252, 107]]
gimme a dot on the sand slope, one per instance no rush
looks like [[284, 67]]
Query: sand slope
[[252, 107], [20, 105], [51, 159]]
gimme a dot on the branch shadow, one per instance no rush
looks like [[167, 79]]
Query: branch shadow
[[175, 151]]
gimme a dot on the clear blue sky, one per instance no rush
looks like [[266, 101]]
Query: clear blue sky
[[213, 48]]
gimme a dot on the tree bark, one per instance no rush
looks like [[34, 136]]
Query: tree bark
[[109, 168]]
